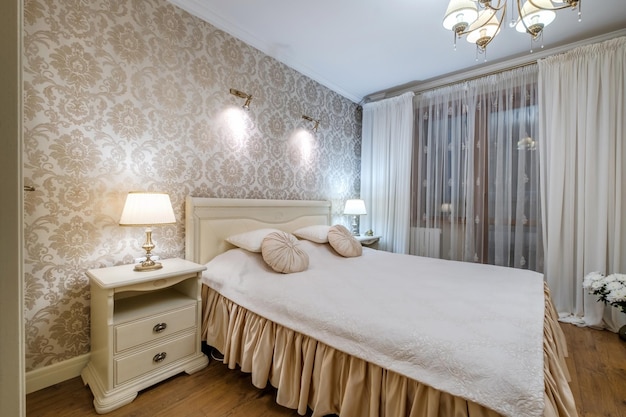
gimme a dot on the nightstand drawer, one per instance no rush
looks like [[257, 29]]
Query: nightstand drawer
[[150, 359], [138, 332]]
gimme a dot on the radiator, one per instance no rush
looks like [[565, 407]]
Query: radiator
[[425, 242]]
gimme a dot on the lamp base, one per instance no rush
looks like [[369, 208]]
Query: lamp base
[[148, 265], [355, 226]]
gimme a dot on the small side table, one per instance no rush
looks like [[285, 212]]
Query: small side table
[[145, 327], [369, 241]]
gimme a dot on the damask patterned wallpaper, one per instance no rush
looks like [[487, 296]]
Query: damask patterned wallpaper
[[134, 95]]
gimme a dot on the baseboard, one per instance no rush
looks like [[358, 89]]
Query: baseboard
[[53, 374]]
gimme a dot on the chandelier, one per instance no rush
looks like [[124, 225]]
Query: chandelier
[[480, 20]]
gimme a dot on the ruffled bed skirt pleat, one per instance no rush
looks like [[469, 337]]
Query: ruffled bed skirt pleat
[[310, 374]]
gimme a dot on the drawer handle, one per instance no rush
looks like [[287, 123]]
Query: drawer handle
[[159, 357], [158, 328]]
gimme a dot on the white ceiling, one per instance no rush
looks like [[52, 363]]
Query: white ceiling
[[360, 47]]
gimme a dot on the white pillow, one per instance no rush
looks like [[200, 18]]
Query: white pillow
[[317, 233], [282, 253], [250, 241], [343, 242]]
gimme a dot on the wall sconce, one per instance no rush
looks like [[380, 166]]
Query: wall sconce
[[355, 208], [147, 209], [310, 119], [241, 94]]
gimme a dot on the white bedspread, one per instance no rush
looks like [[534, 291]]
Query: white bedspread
[[475, 331]]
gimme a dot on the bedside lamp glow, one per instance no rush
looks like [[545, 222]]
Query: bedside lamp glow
[[147, 209], [355, 208]]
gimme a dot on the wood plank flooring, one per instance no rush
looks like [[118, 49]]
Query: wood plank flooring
[[597, 365]]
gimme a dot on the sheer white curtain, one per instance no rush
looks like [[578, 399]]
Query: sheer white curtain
[[583, 164], [475, 172], [385, 170]]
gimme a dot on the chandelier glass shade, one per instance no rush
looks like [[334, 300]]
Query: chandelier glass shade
[[460, 14], [534, 17], [481, 20], [484, 29]]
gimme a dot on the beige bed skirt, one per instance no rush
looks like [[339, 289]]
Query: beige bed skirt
[[310, 374]]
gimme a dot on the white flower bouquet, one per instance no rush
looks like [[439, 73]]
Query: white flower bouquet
[[610, 289]]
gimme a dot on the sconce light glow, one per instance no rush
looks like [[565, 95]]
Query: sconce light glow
[[306, 146], [235, 120], [303, 141]]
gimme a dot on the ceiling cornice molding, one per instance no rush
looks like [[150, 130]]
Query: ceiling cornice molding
[[484, 70]]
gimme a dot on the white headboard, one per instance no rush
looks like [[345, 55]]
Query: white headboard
[[208, 221]]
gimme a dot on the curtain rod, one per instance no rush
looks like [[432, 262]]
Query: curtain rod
[[476, 77], [484, 71]]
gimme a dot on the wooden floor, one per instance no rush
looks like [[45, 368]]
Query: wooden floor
[[597, 364]]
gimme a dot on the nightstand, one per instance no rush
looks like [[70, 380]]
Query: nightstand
[[145, 327], [370, 241]]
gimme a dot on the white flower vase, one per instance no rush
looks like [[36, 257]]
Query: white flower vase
[[611, 290]]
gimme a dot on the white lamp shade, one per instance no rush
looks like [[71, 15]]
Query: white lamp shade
[[355, 207], [487, 25], [146, 209], [460, 11], [532, 15]]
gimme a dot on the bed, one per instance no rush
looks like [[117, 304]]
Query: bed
[[360, 337]]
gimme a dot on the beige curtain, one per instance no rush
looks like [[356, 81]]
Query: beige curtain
[[583, 164], [385, 164]]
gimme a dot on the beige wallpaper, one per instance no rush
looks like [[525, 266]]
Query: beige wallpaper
[[133, 95]]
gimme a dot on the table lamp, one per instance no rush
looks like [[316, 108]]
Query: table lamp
[[355, 208], [147, 209]]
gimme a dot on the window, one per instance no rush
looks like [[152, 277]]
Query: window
[[475, 170]]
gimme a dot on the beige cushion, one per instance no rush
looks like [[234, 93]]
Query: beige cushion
[[282, 253], [317, 233], [250, 241], [343, 242]]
